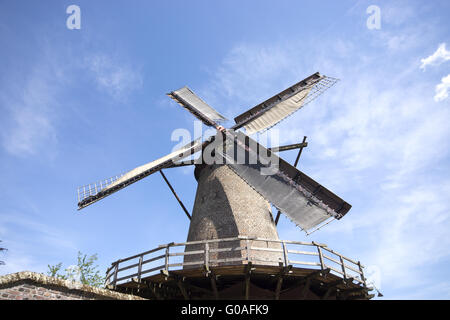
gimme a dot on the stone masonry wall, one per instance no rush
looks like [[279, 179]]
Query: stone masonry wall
[[227, 207], [28, 290], [35, 286]]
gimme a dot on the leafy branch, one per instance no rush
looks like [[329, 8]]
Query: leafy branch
[[85, 271]]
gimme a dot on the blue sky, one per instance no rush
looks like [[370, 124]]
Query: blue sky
[[78, 106]]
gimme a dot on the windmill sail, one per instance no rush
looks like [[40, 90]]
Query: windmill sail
[[199, 108], [93, 192], [270, 112], [298, 196]]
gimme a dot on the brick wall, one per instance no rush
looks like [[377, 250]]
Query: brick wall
[[227, 207], [28, 290], [35, 286]]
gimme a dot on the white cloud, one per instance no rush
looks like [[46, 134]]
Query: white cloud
[[32, 103], [398, 13], [368, 139], [115, 77], [30, 126], [246, 73], [438, 57], [442, 89]]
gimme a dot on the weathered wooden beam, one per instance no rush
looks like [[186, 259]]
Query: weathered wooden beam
[[332, 287], [288, 147], [279, 280], [178, 280], [305, 288], [302, 145], [182, 288], [312, 275], [247, 271], [277, 217], [320, 273], [334, 284], [175, 194], [152, 288], [283, 271], [345, 293], [363, 296], [212, 277], [191, 287], [328, 292], [278, 288]]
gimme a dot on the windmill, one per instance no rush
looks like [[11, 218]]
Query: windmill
[[238, 180]]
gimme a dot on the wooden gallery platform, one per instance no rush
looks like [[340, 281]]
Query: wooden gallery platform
[[246, 281]]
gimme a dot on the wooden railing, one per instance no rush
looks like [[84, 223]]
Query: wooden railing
[[174, 256]]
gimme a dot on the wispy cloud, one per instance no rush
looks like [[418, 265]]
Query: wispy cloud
[[438, 57], [368, 140], [442, 89], [114, 77], [246, 73], [28, 237], [32, 105], [29, 119]]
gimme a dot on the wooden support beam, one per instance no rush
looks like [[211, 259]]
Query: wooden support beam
[[212, 276], [182, 288], [331, 287], [178, 280], [184, 285], [345, 293], [288, 147], [312, 275], [279, 280], [137, 281], [193, 287], [175, 194], [334, 284], [363, 296], [328, 292], [247, 271], [278, 288], [303, 144], [152, 288], [305, 289]]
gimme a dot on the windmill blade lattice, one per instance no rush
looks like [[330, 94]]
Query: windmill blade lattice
[[195, 105], [94, 192], [303, 200], [270, 112]]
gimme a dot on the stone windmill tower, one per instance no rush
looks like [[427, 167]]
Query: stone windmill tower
[[232, 234]]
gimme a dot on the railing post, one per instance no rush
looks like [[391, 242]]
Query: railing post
[[141, 258], [285, 254], [343, 266], [319, 249], [247, 247], [207, 255], [107, 279], [362, 274], [116, 270], [166, 259]]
